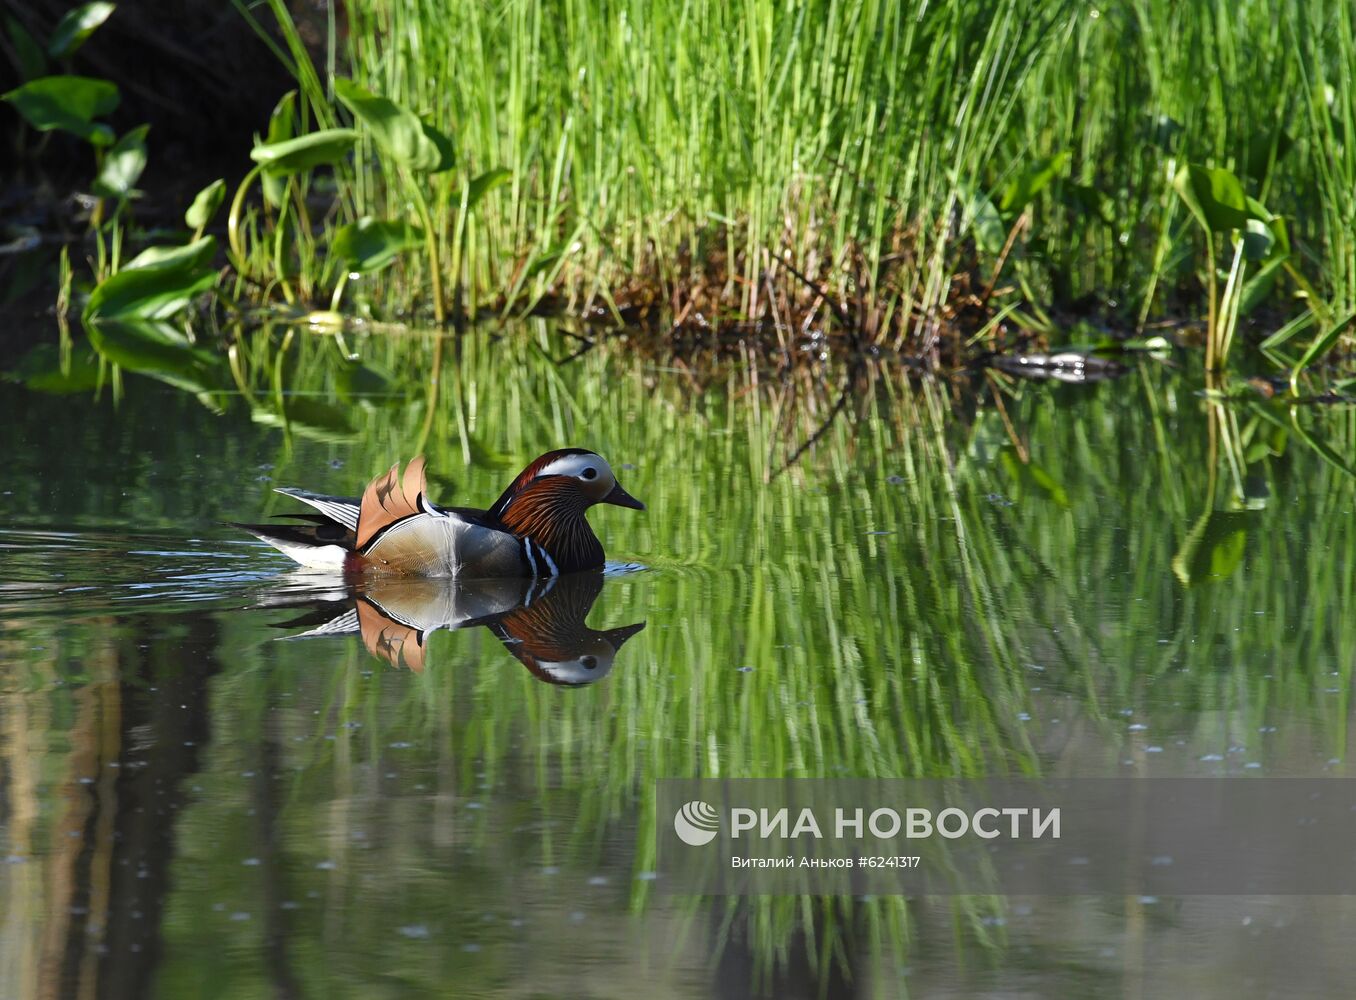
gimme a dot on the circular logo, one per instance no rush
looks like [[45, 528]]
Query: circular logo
[[696, 823]]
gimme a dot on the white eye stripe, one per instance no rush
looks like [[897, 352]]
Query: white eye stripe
[[576, 466]]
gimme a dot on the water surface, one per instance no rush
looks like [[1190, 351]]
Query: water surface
[[1120, 580]]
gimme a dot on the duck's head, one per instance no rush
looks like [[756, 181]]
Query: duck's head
[[582, 477], [588, 659], [548, 634], [547, 501]]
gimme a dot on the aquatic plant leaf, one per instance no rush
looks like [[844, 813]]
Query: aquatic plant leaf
[[1022, 189], [370, 244], [281, 127], [122, 165], [1273, 242], [41, 370], [75, 26], [356, 382], [282, 119], [315, 149], [1030, 477], [447, 157], [147, 294], [308, 418], [197, 254], [159, 350], [156, 284], [1259, 286], [1214, 196], [484, 184], [1287, 332], [1213, 549], [1325, 342], [1258, 240], [398, 131], [68, 103], [205, 205], [984, 220], [30, 56]]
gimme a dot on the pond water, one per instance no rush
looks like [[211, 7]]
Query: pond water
[[1124, 579]]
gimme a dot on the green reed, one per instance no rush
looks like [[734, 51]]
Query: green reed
[[647, 139]]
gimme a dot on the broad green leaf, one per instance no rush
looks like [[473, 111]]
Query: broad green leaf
[[1030, 477], [68, 103], [159, 350], [122, 165], [442, 142], [398, 131], [192, 255], [1258, 240], [484, 184], [309, 418], [282, 119], [315, 149], [147, 294], [370, 244], [356, 382], [76, 26], [1019, 192], [157, 284], [1213, 549], [205, 205], [1214, 196], [281, 127], [32, 60]]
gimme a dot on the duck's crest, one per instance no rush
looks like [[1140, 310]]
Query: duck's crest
[[389, 499]]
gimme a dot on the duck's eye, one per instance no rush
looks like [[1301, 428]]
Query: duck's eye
[[589, 662], [590, 473]]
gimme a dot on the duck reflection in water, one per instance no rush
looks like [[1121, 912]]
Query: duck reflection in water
[[541, 622]]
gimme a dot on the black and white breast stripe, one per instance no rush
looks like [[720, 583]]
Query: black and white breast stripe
[[538, 560]]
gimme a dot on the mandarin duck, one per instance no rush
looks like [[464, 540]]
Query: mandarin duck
[[536, 528], [541, 622]]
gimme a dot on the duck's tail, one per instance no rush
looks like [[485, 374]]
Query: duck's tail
[[321, 543]]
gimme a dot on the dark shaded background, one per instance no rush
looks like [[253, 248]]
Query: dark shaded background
[[194, 70]]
